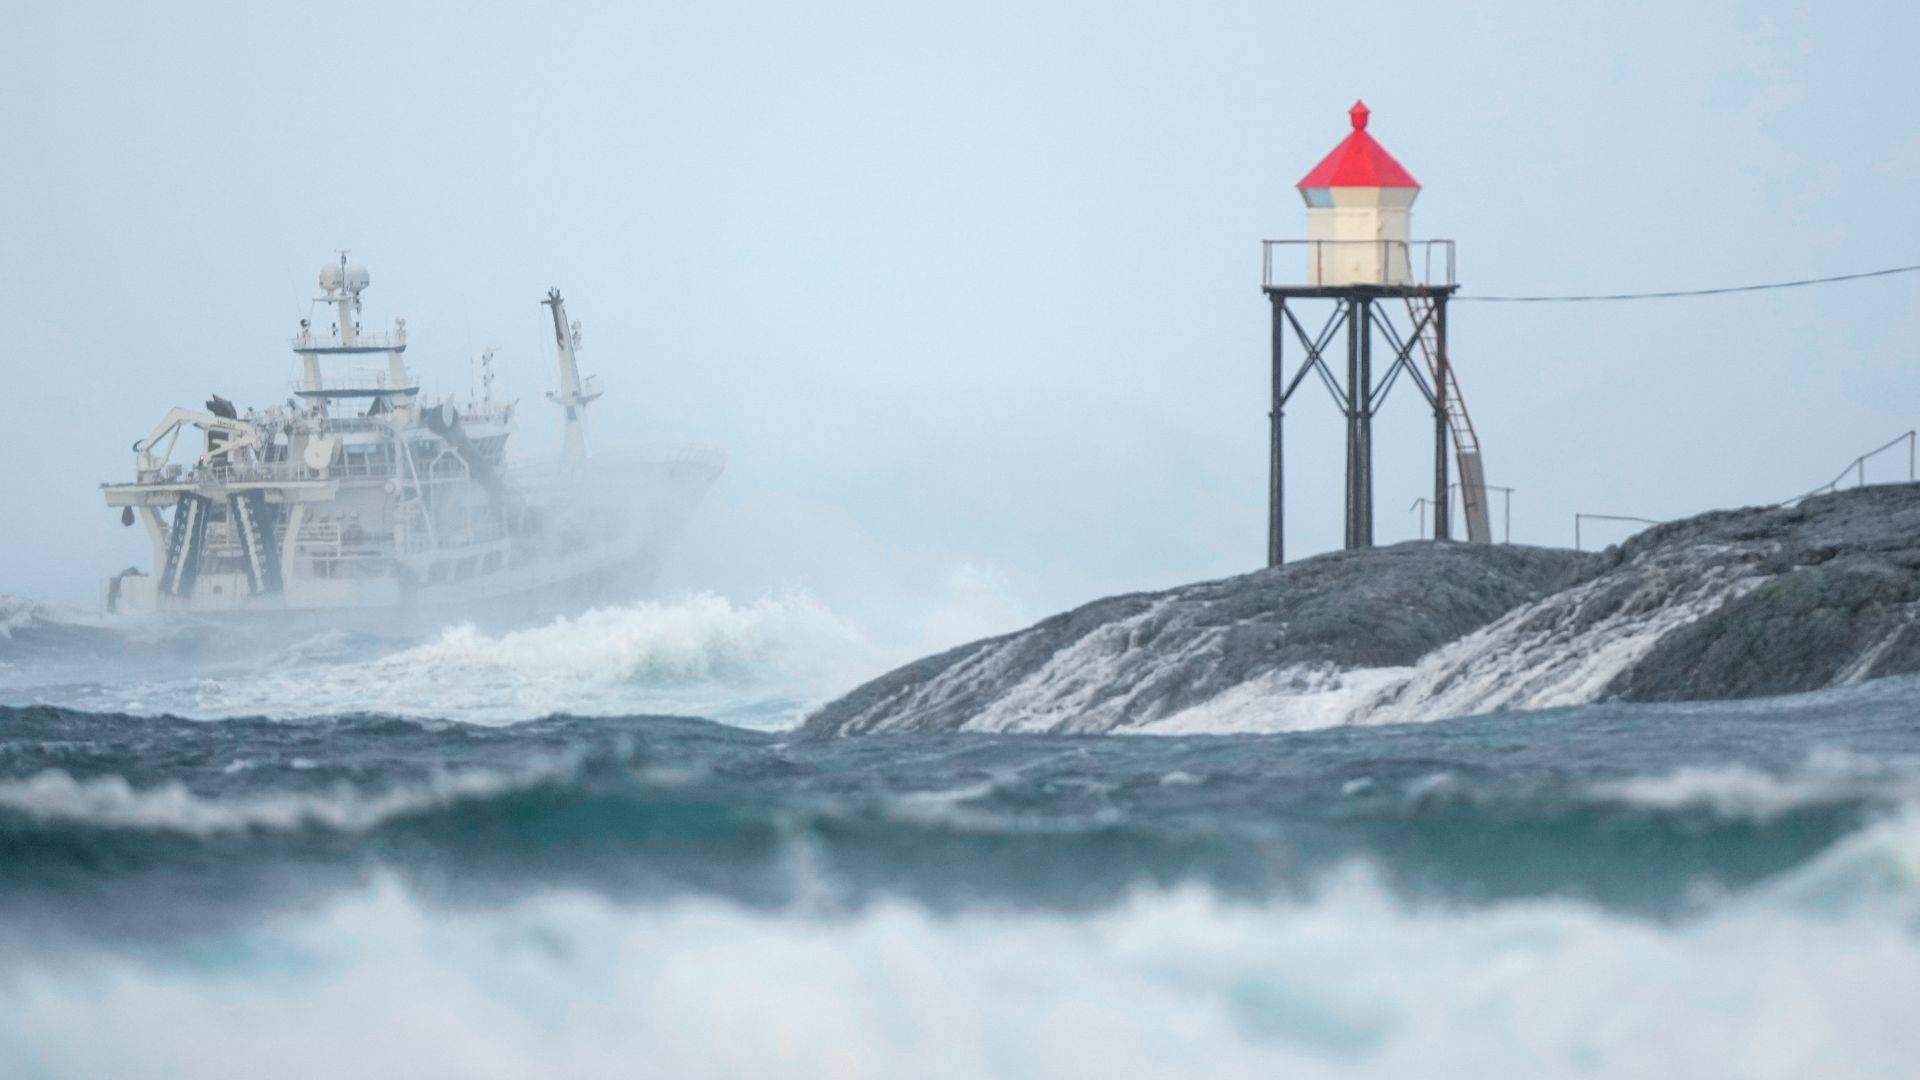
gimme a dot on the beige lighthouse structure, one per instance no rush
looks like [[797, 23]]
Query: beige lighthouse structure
[[1388, 296], [1359, 209]]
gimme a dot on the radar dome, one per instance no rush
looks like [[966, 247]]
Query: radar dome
[[357, 277], [329, 278]]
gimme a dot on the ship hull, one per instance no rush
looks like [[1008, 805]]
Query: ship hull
[[483, 583]]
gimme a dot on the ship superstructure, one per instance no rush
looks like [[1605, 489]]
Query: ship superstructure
[[361, 493]]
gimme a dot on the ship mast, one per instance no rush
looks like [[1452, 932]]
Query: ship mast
[[340, 287], [574, 394]]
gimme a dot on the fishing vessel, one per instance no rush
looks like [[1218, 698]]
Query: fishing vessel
[[360, 495]]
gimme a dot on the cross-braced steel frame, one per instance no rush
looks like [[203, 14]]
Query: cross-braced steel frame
[[1358, 315]]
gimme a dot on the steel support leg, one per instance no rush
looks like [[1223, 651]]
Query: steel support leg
[[1363, 395], [1442, 512], [1276, 464], [1354, 405]]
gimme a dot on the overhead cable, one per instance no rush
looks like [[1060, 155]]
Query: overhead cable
[[1692, 292]]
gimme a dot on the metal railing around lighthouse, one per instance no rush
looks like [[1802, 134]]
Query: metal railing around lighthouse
[[1324, 258]]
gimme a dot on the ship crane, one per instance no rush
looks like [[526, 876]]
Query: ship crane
[[574, 393], [152, 453]]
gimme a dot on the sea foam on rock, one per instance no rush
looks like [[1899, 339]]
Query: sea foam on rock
[[1724, 605]]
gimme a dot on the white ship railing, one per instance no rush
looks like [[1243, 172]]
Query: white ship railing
[[360, 381], [374, 340], [287, 472], [278, 472]]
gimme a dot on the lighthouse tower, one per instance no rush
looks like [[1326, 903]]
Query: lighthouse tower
[[1359, 202], [1388, 290]]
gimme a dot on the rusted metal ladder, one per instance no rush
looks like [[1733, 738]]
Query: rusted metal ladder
[[1466, 443]]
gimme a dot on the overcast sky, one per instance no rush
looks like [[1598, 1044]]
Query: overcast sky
[[968, 292]]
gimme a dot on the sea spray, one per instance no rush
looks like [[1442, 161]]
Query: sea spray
[[1346, 982], [759, 663]]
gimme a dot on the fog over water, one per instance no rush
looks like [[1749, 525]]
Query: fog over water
[[968, 295]]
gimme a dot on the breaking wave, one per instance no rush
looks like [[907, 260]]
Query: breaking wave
[[16, 614], [112, 802], [30, 628], [1347, 982], [1744, 792], [758, 664], [786, 645], [1725, 890]]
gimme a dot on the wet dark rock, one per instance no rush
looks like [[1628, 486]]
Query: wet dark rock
[[1384, 607], [1837, 603], [1729, 604]]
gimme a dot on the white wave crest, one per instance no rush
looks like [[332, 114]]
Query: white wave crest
[[1743, 792], [758, 663], [701, 639], [112, 802], [1871, 874], [1347, 984], [18, 613]]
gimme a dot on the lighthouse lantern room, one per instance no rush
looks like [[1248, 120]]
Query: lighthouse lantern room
[[1359, 202]]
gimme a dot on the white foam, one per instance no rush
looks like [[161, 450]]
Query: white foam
[[1099, 682], [19, 613], [1871, 874], [1182, 984], [1086, 686], [1550, 654], [16, 614], [114, 803], [1741, 791], [759, 663], [1292, 699], [1541, 655]]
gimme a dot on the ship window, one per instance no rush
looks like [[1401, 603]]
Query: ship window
[[491, 563], [1317, 197]]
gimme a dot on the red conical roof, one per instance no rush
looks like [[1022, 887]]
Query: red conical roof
[[1358, 161]]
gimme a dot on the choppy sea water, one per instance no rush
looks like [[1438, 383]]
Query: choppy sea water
[[595, 848]]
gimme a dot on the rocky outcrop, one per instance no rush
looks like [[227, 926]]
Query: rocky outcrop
[[1834, 595], [1133, 660], [1727, 604]]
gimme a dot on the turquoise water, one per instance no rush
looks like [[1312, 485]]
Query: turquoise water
[[1722, 889]]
